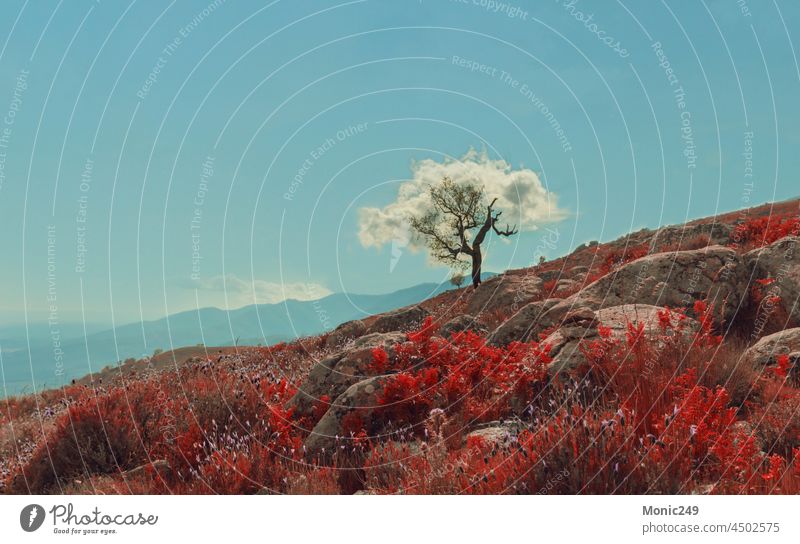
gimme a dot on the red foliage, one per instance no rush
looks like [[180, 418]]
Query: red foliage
[[762, 231], [461, 374], [618, 257], [99, 434], [646, 414]]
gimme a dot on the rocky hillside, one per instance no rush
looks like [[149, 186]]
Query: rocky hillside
[[663, 362]]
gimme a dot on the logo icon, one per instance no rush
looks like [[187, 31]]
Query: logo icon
[[31, 517]]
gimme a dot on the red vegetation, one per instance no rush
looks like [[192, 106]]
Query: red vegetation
[[762, 231], [672, 410], [650, 412], [462, 375]]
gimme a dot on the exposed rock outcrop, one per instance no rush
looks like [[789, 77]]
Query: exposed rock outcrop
[[335, 374], [464, 322], [581, 326], [497, 434], [361, 398], [680, 235], [525, 324], [507, 292], [404, 319], [781, 262], [767, 350], [675, 279], [345, 332]]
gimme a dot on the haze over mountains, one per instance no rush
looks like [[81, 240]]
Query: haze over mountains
[[251, 325]]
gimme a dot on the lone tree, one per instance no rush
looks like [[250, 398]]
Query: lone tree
[[458, 209], [457, 279]]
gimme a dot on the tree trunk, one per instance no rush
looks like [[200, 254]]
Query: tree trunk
[[477, 260]]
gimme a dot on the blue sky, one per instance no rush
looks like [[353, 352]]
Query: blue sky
[[132, 118]]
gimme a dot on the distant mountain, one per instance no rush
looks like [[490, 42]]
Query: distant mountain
[[263, 323]]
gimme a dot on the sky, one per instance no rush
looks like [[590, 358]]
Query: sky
[[160, 156]]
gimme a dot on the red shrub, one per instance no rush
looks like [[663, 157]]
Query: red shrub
[[463, 373], [762, 231], [102, 434]]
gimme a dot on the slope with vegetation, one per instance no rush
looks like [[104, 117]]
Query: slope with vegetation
[[663, 362]]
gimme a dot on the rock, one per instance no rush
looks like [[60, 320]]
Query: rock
[[362, 398], [404, 319], [780, 261], [345, 332], [461, 323], [580, 327], [577, 274], [334, 375], [506, 292], [681, 235], [524, 325], [675, 279], [767, 350], [496, 434], [566, 284], [581, 316]]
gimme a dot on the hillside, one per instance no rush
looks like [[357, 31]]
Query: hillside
[[667, 361]]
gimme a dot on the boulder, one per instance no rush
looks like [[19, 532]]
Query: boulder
[[676, 279], [464, 322], [496, 434], [344, 333], [404, 319], [767, 350], [332, 376], [780, 261], [507, 292], [566, 284], [523, 325], [361, 398], [581, 326]]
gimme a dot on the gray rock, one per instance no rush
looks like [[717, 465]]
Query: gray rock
[[780, 261], [565, 284], [767, 350], [673, 235], [334, 375], [507, 292], [674, 279], [497, 434], [404, 319], [361, 397], [581, 327], [524, 325], [345, 333], [461, 323]]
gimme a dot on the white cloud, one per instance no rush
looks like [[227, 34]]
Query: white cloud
[[241, 292], [520, 194]]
